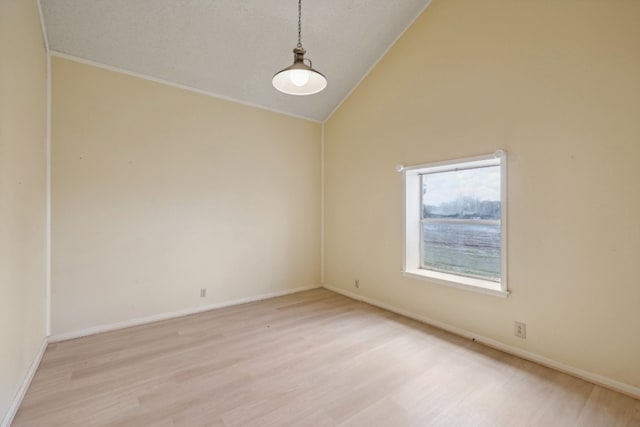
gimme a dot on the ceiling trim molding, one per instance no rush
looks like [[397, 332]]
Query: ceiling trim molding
[[43, 28], [175, 85], [375, 64]]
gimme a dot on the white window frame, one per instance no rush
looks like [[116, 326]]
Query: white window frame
[[412, 224]]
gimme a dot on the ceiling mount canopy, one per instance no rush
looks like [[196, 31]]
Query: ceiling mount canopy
[[299, 78]]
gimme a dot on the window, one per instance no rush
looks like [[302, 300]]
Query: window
[[455, 223]]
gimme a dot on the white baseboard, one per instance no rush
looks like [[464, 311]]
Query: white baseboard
[[171, 315], [13, 409], [545, 361]]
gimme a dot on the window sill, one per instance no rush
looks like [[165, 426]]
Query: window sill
[[466, 283]]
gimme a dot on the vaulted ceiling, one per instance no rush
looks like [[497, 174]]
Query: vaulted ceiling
[[232, 48]]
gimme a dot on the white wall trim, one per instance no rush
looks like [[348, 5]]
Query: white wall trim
[[541, 360], [43, 28], [47, 250], [15, 405], [375, 64], [175, 85], [322, 175], [174, 314]]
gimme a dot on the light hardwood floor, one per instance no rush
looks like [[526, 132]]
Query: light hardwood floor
[[310, 359]]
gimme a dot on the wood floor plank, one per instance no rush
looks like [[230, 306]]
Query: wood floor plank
[[314, 358]]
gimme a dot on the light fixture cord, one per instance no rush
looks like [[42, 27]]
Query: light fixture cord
[[300, 23]]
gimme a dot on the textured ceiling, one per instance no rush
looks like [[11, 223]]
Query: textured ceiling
[[232, 48]]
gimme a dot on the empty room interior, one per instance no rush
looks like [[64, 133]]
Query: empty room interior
[[434, 223]]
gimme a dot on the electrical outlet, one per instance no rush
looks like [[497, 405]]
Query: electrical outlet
[[520, 330], [357, 284], [203, 292]]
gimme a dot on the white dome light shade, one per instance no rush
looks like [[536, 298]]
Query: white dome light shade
[[299, 78]]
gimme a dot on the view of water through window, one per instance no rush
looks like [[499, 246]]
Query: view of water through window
[[461, 231], [467, 249]]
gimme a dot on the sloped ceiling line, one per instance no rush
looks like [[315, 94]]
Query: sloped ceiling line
[[230, 49]]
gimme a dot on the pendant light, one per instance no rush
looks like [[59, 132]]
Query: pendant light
[[299, 78]]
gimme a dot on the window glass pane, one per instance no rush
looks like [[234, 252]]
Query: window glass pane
[[464, 248], [461, 231], [463, 194]]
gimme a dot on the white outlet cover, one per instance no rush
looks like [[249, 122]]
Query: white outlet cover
[[520, 329]]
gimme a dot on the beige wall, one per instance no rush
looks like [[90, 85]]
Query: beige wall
[[158, 192], [22, 193], [557, 85]]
